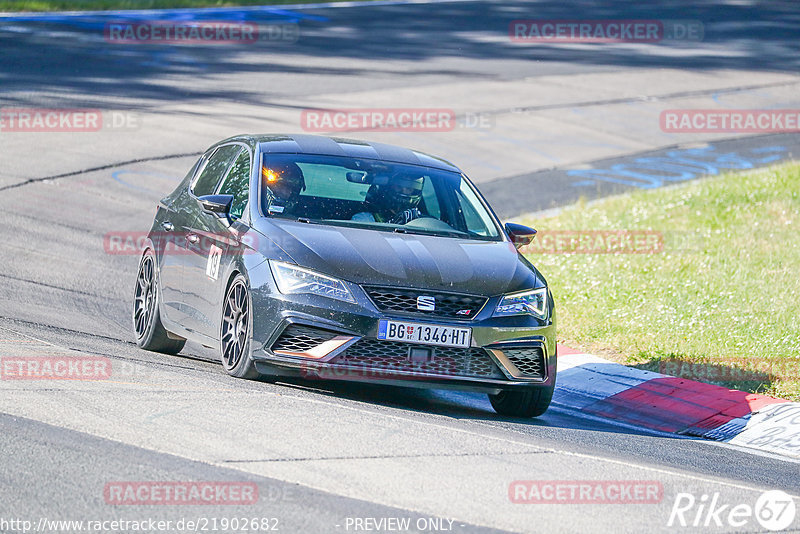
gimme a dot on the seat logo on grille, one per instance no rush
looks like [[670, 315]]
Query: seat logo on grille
[[426, 303]]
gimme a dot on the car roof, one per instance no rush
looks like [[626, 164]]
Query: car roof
[[335, 146]]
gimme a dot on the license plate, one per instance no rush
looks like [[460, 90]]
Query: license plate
[[426, 334]]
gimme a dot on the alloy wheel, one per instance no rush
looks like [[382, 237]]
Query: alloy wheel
[[145, 297], [235, 324]]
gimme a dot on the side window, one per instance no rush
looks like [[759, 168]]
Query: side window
[[217, 164], [473, 220], [237, 183], [477, 223], [430, 199]]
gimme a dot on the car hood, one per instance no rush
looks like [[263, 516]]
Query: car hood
[[374, 257]]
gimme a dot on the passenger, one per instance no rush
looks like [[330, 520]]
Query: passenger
[[394, 202]]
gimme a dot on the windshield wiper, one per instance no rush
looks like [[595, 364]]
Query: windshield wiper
[[423, 231]]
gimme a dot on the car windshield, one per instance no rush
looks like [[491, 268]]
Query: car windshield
[[375, 194]]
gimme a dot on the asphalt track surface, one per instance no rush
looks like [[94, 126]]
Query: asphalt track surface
[[567, 121]]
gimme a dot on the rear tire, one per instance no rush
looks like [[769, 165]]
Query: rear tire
[[530, 402], [236, 330], [150, 332]]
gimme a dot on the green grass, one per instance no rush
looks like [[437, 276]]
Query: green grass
[[100, 5], [724, 292]]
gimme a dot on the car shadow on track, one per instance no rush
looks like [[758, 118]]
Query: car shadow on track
[[455, 404], [461, 405]]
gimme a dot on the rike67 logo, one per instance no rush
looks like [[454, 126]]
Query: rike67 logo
[[774, 510]]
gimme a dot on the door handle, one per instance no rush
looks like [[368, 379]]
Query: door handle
[[192, 238], [168, 226]]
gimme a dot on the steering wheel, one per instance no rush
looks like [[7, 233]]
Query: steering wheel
[[426, 222]]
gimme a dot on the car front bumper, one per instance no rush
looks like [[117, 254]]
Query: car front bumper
[[319, 338]]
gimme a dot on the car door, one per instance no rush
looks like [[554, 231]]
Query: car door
[[174, 218], [209, 239]]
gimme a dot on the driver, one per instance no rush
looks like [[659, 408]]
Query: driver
[[283, 183], [394, 202]]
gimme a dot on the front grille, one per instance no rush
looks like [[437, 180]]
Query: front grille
[[394, 356], [299, 338], [529, 361], [393, 299]]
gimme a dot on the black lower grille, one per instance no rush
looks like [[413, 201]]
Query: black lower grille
[[403, 300], [299, 338], [529, 361], [394, 356]]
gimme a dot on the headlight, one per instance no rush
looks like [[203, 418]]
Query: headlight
[[292, 279], [533, 302]]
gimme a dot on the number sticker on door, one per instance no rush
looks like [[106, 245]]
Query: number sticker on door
[[214, 258]]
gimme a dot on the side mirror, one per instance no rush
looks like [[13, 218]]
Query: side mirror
[[520, 235], [217, 204]]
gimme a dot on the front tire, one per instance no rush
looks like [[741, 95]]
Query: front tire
[[236, 330], [150, 332], [530, 402]]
